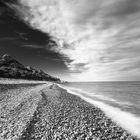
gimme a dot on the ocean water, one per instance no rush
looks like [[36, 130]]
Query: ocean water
[[119, 100]]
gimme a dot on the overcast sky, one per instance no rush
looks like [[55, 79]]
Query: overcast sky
[[95, 39]]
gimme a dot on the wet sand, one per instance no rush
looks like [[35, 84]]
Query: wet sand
[[48, 112]]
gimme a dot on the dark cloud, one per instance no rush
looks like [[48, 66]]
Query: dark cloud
[[2, 10], [105, 14], [103, 35], [7, 39], [38, 58], [33, 46], [28, 45], [88, 12], [79, 68], [16, 31], [123, 8], [108, 58], [8, 1], [11, 25], [131, 67], [119, 13], [4, 7], [113, 54]]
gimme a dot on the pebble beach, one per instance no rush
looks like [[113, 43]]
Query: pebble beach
[[51, 113]]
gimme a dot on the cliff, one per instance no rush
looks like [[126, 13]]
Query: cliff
[[11, 68]]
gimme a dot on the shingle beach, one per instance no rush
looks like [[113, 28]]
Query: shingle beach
[[48, 112]]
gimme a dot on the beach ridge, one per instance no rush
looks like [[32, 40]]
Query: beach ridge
[[53, 113]]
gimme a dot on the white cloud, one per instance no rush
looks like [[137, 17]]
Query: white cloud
[[100, 37]]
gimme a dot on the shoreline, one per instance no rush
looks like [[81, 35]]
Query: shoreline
[[53, 113], [93, 118], [112, 113]]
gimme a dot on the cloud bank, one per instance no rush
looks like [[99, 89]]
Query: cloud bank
[[100, 40]]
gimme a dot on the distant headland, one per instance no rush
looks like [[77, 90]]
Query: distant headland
[[11, 68]]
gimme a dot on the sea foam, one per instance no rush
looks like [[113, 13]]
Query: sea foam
[[126, 120]]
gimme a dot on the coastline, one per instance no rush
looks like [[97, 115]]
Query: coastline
[[120, 117], [94, 105], [53, 113]]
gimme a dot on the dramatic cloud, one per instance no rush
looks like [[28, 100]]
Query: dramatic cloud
[[98, 39]]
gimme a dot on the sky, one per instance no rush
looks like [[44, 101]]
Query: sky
[[77, 40]]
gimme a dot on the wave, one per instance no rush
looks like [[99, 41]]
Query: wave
[[98, 96], [126, 120]]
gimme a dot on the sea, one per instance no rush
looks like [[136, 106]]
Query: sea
[[119, 100]]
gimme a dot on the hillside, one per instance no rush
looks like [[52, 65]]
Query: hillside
[[11, 68]]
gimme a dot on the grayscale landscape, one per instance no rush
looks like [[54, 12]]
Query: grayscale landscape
[[69, 70]]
